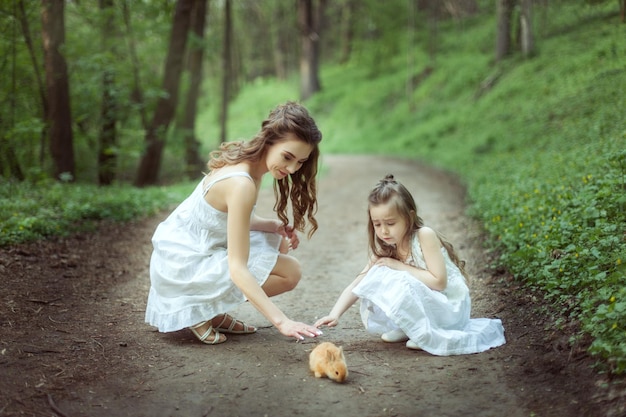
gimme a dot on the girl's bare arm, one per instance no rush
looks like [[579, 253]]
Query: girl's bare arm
[[434, 276], [345, 301]]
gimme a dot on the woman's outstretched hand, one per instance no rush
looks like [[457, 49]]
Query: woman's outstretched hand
[[327, 321], [298, 330]]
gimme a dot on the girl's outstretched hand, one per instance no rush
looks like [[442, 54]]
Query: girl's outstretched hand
[[327, 321], [298, 330]]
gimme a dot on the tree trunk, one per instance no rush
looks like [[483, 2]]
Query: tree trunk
[[319, 22], [166, 106], [193, 162], [347, 30], [528, 41], [9, 158], [309, 80], [281, 42], [57, 85], [410, 54], [107, 155], [9, 163], [226, 69], [41, 88], [504, 11], [137, 94]]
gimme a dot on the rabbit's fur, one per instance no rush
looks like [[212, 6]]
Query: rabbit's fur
[[328, 360]]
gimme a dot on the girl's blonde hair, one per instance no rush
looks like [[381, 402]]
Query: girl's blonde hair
[[298, 188], [389, 190]]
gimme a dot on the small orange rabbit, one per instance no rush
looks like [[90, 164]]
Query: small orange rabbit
[[328, 360]]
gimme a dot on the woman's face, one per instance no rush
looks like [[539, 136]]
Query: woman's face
[[389, 225], [287, 156]]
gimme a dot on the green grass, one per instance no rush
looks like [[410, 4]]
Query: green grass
[[31, 212]]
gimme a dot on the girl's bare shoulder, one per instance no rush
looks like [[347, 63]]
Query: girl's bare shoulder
[[426, 236], [426, 232]]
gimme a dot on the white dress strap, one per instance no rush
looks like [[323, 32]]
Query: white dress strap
[[210, 184]]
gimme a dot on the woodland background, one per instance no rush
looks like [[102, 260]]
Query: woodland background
[[109, 107]]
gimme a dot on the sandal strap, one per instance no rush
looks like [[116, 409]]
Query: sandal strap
[[203, 338], [245, 329], [233, 323]]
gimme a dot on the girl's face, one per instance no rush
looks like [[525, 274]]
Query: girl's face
[[287, 156], [389, 225]]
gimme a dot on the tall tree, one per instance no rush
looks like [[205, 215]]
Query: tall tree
[[226, 69], [309, 23], [193, 162], [319, 21], [504, 12], [137, 93], [410, 59], [281, 41], [166, 106], [347, 29], [9, 163], [58, 93], [41, 87], [108, 135], [526, 26]]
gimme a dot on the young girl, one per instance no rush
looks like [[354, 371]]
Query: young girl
[[214, 253], [413, 289]]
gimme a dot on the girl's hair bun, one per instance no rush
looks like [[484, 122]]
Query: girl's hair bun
[[389, 178]]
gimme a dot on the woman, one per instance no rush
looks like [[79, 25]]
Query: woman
[[214, 253]]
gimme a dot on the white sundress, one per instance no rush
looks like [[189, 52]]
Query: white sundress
[[437, 321], [189, 275]]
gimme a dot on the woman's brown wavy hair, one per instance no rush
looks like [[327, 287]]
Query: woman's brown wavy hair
[[299, 188]]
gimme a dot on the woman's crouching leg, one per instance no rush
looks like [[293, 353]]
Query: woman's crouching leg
[[284, 277]]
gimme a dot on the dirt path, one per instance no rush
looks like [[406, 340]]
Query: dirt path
[[73, 338]]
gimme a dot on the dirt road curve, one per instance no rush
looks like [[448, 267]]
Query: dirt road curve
[[74, 342]]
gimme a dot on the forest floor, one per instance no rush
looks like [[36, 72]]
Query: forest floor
[[73, 340]]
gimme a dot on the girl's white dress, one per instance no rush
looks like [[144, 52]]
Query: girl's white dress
[[189, 276], [437, 321]]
